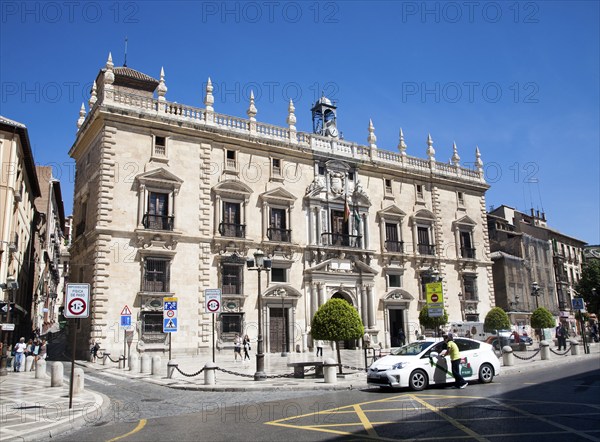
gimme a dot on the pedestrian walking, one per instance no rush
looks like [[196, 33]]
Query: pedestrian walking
[[454, 353], [43, 349], [319, 344], [35, 351], [20, 348], [94, 350], [247, 348], [562, 333], [237, 348], [402, 337]]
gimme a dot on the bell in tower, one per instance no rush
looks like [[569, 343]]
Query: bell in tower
[[325, 118]]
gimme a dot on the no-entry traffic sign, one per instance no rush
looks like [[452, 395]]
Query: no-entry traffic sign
[[213, 300], [77, 301]]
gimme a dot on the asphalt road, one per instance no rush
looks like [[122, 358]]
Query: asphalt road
[[547, 405]]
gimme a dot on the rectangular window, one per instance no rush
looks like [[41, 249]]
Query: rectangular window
[[351, 176], [230, 159], [466, 245], [461, 198], [388, 185], [392, 240], [276, 167], [157, 217], [156, 275], [278, 274], [321, 170], [424, 245], [470, 287], [231, 323], [419, 188], [231, 225], [339, 229], [231, 279], [152, 323], [394, 280], [160, 146], [277, 227]]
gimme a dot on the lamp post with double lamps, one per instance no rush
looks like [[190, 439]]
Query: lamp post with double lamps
[[259, 264], [535, 291]]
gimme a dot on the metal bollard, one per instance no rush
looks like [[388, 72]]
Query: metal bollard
[[145, 364], [329, 371], [545, 350], [574, 346], [121, 361], [171, 366], [157, 367], [508, 358], [209, 373], [78, 381], [105, 356], [134, 362], [40, 369], [57, 374]]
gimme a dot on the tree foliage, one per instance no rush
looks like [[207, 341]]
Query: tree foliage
[[337, 320], [590, 280], [496, 319], [433, 323], [542, 318]]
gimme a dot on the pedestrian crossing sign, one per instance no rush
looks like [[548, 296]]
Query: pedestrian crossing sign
[[169, 325]]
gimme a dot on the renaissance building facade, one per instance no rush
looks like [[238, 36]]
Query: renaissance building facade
[[171, 200]]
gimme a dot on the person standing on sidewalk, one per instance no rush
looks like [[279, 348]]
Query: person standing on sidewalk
[[319, 344], [454, 353], [19, 353], [247, 348], [562, 334], [237, 348]]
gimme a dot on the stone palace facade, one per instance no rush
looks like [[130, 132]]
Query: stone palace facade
[[171, 200]]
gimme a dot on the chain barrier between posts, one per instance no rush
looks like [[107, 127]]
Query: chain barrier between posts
[[354, 368], [561, 354], [529, 357], [108, 356], [190, 375]]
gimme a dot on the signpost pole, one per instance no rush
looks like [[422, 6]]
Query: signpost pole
[[125, 347], [170, 337], [73, 330], [213, 336]]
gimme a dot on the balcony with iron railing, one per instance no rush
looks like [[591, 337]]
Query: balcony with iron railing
[[281, 235], [155, 285], [232, 230], [426, 249], [467, 252], [158, 222], [394, 246], [341, 240]]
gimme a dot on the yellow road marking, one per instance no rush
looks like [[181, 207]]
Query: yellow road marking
[[141, 424], [365, 421], [449, 419]]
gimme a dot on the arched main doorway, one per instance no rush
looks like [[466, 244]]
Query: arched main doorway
[[351, 344]]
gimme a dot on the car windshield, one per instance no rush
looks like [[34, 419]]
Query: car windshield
[[412, 349]]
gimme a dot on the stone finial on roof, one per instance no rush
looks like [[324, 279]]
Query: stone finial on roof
[[81, 116], [455, 157], [478, 162], [430, 149], [291, 118], [372, 139], [93, 96], [401, 144], [209, 100], [161, 90], [109, 75], [252, 111]]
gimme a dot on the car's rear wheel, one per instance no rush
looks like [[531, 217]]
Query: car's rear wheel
[[486, 373], [418, 380]]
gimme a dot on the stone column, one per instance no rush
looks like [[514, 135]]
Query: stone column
[[141, 205], [363, 304], [382, 233], [371, 307], [218, 213], [265, 221], [321, 294], [314, 300]]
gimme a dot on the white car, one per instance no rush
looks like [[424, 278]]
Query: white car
[[418, 364]]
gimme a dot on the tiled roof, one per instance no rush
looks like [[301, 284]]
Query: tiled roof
[[124, 71]]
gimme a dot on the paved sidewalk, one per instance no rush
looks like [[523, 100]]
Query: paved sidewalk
[[32, 410]]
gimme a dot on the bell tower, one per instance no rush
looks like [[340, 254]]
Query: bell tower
[[324, 116]]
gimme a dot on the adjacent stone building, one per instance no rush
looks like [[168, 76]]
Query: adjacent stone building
[[171, 200]]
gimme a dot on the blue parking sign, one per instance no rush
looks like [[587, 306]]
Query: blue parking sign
[[578, 304], [126, 321]]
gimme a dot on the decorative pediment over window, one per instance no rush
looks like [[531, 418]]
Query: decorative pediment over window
[[160, 178], [464, 222], [423, 215], [392, 213], [360, 198], [279, 196], [342, 266], [285, 290], [232, 188], [398, 295]]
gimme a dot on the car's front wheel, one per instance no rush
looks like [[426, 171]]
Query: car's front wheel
[[418, 380], [486, 373]]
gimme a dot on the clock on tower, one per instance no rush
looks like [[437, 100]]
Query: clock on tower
[[325, 118]]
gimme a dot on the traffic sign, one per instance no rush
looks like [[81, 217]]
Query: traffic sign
[[8, 327], [169, 315], [434, 292], [435, 312], [77, 301], [578, 304], [125, 321], [212, 298], [126, 311]]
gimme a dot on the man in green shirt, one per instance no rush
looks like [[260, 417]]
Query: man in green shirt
[[452, 350]]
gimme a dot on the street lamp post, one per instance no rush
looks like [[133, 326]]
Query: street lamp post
[[259, 264], [283, 352]]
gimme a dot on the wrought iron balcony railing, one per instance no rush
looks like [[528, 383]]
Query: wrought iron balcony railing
[[158, 222], [282, 235], [233, 230], [340, 239], [394, 246]]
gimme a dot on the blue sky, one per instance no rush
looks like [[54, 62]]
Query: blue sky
[[518, 79]]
